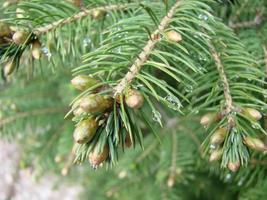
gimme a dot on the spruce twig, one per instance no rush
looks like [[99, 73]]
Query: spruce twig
[[143, 56], [78, 16], [226, 88], [30, 113], [258, 20]]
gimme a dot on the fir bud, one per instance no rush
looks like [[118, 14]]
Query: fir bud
[[128, 141], [134, 99], [9, 67], [36, 49], [65, 171], [20, 37], [255, 143], [98, 14], [207, 119], [252, 113], [216, 155], [85, 131], [96, 158], [174, 36], [95, 103], [59, 158], [4, 29], [82, 82], [233, 166], [218, 136]]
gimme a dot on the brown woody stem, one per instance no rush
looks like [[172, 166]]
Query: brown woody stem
[[78, 16], [143, 56]]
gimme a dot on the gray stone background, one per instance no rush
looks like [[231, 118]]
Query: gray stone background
[[19, 184]]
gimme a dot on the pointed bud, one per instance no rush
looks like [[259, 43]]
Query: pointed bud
[[96, 158], [95, 103], [9, 67], [174, 36], [255, 144], [83, 82], [134, 99], [65, 171], [98, 14], [20, 37], [36, 49], [59, 158], [216, 155], [128, 141], [233, 166], [85, 131], [218, 136], [207, 119], [252, 113], [171, 181], [4, 29]]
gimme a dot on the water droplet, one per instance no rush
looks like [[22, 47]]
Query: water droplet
[[87, 41], [173, 101], [255, 126], [240, 182], [46, 52], [156, 116], [189, 88], [203, 17], [228, 177], [202, 58], [212, 146], [138, 86]]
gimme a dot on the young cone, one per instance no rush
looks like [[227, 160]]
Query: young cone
[[4, 29], [174, 36], [96, 158], [134, 99], [20, 37], [216, 155], [98, 14], [252, 113], [95, 103], [36, 49], [9, 67], [255, 143], [82, 82], [218, 136], [233, 166], [207, 119], [85, 131]]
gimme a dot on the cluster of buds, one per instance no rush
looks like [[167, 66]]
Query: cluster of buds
[[91, 105], [93, 111], [218, 137], [8, 36]]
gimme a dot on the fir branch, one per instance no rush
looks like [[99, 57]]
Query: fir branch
[[265, 59], [223, 78], [143, 56], [30, 113], [258, 20], [78, 16]]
